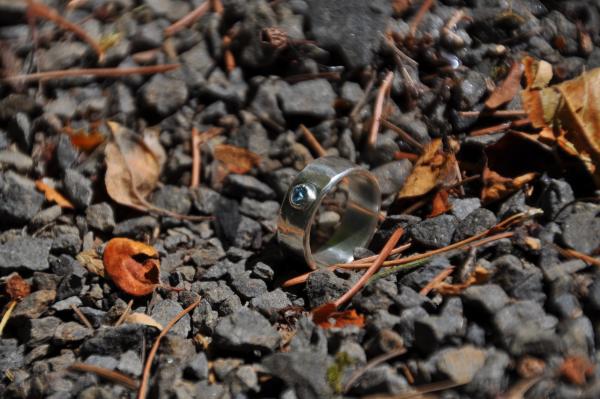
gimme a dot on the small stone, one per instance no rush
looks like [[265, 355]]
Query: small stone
[[19, 126], [304, 371], [204, 319], [476, 222], [594, 294], [25, 253], [62, 55], [78, 188], [41, 330], [245, 332], [577, 336], [65, 304], [352, 93], [381, 378], [130, 363], [461, 364], [102, 361], [205, 199], [470, 90], [264, 271], [114, 340], [173, 198], [311, 98], [520, 280], [153, 98], [219, 295], [197, 368], [46, 216], [266, 99], [581, 231], [66, 153], [136, 227], [418, 278], [392, 175], [436, 232], [166, 310], [432, 331], [15, 160], [555, 195], [270, 303], [489, 297], [324, 286], [248, 234], [101, 217], [491, 379], [11, 355], [71, 332], [461, 207], [351, 28], [19, 200], [247, 287], [239, 186]]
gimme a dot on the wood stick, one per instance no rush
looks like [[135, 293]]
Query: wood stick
[[82, 317], [378, 109], [441, 276], [419, 16], [146, 374], [105, 373], [312, 141], [505, 113], [196, 161], [98, 72], [187, 19], [124, 314], [404, 135]]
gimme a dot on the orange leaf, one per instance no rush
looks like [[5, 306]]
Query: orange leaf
[[497, 186], [434, 167], [479, 276], [508, 89], [236, 159], [16, 287], [133, 266], [326, 313], [440, 204], [52, 195], [87, 142], [576, 369]]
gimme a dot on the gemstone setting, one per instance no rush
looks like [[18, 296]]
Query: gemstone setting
[[301, 195]]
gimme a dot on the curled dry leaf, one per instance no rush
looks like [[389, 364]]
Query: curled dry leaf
[[91, 261], [133, 266], [235, 159], [16, 287], [85, 141], [496, 187], [440, 203], [479, 276], [433, 168], [52, 195], [142, 318], [576, 369], [133, 166], [508, 89], [569, 111], [327, 316]]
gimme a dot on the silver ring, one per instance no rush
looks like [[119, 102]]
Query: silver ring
[[304, 197]]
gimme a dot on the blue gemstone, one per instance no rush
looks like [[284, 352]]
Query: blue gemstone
[[299, 195]]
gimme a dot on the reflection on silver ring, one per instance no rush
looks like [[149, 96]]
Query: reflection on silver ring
[[302, 201]]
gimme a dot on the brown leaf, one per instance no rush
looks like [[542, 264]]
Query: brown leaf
[[576, 368], [327, 316], [496, 187], [52, 195], [85, 141], [236, 159], [133, 166], [508, 89], [16, 287], [440, 204], [479, 276], [91, 261], [538, 73], [142, 318], [133, 266], [434, 167]]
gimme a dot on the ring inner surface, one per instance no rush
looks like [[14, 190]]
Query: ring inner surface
[[357, 223]]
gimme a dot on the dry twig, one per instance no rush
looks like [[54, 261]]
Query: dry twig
[[124, 314], [82, 317], [187, 19], [312, 141], [419, 16], [441, 276], [105, 373], [196, 161], [378, 110], [373, 363], [146, 374]]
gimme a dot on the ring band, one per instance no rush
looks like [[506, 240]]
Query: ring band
[[302, 201]]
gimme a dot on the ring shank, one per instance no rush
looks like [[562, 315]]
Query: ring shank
[[358, 222]]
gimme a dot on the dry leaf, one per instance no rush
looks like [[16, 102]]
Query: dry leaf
[[142, 318], [52, 195], [440, 204], [576, 369], [570, 109], [508, 89], [16, 287], [236, 159], [133, 266], [133, 166], [479, 276], [327, 316], [496, 187], [433, 168], [91, 261]]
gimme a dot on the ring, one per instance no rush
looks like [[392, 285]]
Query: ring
[[304, 197]]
